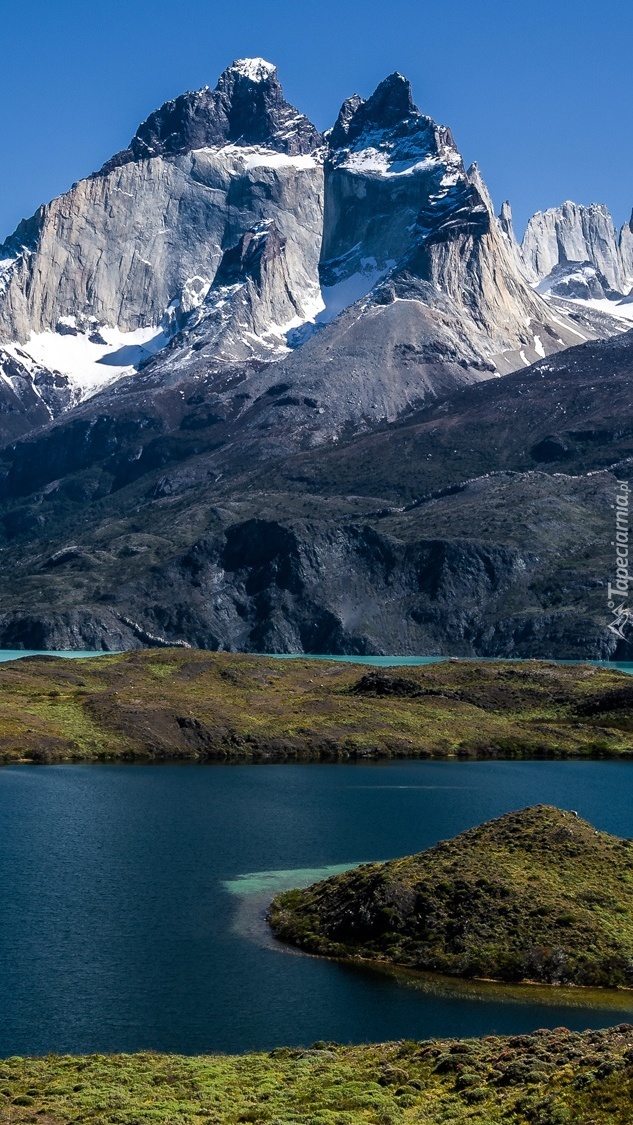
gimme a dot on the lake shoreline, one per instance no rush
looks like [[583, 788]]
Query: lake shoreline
[[309, 758], [554, 1075]]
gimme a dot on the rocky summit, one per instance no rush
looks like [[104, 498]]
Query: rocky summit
[[276, 390]]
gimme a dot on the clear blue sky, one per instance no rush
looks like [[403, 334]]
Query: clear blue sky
[[539, 92]]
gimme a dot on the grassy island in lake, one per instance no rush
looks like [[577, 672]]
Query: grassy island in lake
[[535, 895]]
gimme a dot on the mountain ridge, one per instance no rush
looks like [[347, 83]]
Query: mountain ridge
[[111, 272]]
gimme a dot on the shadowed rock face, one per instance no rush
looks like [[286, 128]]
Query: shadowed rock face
[[247, 108], [454, 533], [390, 105], [30, 394]]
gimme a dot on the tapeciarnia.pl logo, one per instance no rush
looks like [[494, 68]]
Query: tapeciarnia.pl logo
[[618, 591]]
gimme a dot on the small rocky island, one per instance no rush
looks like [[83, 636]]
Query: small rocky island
[[536, 895]]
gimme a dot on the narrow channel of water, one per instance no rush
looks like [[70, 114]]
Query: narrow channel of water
[[373, 661]]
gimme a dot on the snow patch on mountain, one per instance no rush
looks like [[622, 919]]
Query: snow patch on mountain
[[335, 298], [258, 70], [381, 162], [93, 358], [265, 158], [582, 284], [415, 147], [623, 309], [346, 292]]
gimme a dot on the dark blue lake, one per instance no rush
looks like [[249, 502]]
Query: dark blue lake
[[132, 900]]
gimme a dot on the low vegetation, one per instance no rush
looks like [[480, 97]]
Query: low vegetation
[[175, 703], [547, 1078], [535, 895]]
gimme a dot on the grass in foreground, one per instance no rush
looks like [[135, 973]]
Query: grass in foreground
[[547, 1078], [156, 704], [537, 895]]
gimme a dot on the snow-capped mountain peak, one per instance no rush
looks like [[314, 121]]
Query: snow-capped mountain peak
[[230, 228], [389, 108], [256, 70], [247, 107], [387, 135]]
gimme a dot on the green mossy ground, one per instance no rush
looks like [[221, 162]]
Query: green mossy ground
[[548, 1078], [177, 703], [536, 895]]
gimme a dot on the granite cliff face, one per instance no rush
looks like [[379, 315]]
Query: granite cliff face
[[575, 252], [573, 233], [626, 252], [143, 239], [377, 215]]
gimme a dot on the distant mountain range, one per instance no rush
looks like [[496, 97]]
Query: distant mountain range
[[269, 389]]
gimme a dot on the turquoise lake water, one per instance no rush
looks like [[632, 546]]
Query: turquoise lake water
[[68, 654], [133, 900], [374, 661]]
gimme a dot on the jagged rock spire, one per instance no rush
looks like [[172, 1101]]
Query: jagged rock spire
[[476, 179], [390, 103], [505, 220], [626, 253], [505, 225]]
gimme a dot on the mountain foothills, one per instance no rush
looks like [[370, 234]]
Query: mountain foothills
[[272, 390], [204, 706]]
